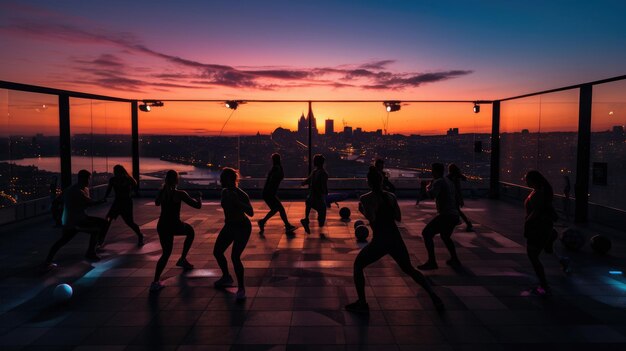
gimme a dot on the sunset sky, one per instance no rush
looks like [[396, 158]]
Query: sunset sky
[[404, 50]]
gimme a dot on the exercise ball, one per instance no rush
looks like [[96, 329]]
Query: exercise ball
[[344, 213], [361, 232], [573, 239], [358, 222], [62, 293], [600, 244]]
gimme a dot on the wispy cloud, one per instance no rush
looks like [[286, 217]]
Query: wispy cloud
[[109, 69]]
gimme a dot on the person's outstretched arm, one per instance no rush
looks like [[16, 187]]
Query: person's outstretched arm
[[195, 203]]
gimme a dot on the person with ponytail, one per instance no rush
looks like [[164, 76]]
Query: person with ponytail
[[382, 211], [236, 231], [539, 225], [123, 184], [170, 225]]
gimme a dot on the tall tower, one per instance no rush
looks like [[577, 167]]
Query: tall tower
[[311, 118], [330, 127], [303, 124]]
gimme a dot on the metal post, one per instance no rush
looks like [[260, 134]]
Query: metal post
[[134, 117], [65, 141], [581, 188], [494, 182], [309, 117]]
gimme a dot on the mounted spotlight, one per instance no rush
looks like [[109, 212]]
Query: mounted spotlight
[[476, 107], [392, 106], [233, 104], [149, 104]]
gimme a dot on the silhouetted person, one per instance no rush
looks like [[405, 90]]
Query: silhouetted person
[[382, 211], [236, 230], [274, 177], [380, 167], [539, 225], [442, 190], [318, 189], [123, 184], [170, 225], [76, 200], [455, 175]]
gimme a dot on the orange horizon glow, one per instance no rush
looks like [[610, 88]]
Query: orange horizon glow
[[29, 113]]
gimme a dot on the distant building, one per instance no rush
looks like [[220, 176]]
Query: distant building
[[329, 127], [303, 124], [453, 131], [347, 132], [618, 130], [358, 132], [525, 131]]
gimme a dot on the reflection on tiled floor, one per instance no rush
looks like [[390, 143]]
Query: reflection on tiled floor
[[297, 287]]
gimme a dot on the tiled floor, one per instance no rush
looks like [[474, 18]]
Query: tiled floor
[[297, 288]]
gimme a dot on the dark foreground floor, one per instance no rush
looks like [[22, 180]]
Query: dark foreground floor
[[297, 288]]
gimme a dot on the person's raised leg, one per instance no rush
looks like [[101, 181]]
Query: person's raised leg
[[224, 239], [533, 255], [305, 221], [167, 244], [283, 216], [468, 223], [267, 217], [446, 237], [130, 222], [429, 232], [190, 234], [66, 236], [368, 255], [400, 254], [321, 214], [239, 244]]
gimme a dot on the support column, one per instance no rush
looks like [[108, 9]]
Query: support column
[[134, 117], [581, 188], [310, 118], [494, 181], [65, 141]]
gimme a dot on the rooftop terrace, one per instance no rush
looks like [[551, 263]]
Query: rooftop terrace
[[298, 287]]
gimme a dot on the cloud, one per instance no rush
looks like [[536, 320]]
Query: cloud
[[377, 65], [111, 70]]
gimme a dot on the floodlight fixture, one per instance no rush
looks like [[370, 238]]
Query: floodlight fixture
[[232, 104], [476, 107], [392, 106], [149, 104]]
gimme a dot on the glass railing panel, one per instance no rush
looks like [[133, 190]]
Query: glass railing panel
[[409, 140], [607, 185], [29, 155], [101, 137], [198, 139], [519, 138]]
